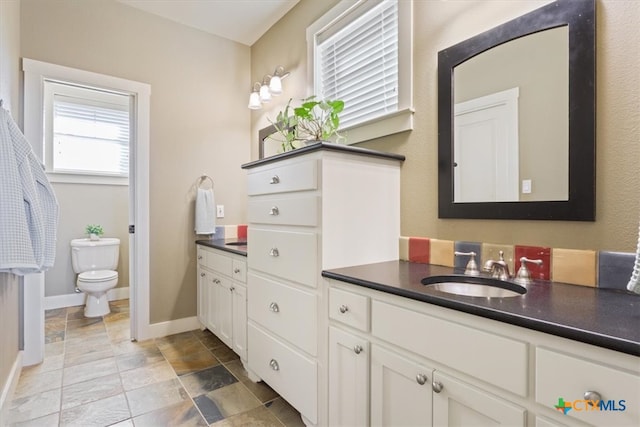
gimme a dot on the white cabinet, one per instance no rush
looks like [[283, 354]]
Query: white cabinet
[[400, 390], [222, 296], [324, 207], [348, 379]]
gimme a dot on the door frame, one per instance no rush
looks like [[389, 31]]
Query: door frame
[[35, 72]]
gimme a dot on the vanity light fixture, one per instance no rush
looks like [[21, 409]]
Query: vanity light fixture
[[271, 86], [254, 98]]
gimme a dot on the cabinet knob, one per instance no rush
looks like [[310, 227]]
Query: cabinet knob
[[236, 270], [232, 289], [274, 211], [358, 349], [421, 379], [217, 281], [274, 307], [343, 309], [437, 386], [199, 256], [274, 252], [592, 397], [202, 274], [275, 179], [274, 365]]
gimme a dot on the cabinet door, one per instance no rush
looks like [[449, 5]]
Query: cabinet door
[[400, 390], [203, 296], [348, 379], [210, 291], [456, 403], [240, 320], [224, 309]]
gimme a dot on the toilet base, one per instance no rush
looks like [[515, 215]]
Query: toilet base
[[97, 305]]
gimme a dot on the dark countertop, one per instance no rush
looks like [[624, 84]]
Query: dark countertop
[[602, 317], [235, 246]]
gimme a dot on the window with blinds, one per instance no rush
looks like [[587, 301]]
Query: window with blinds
[[88, 131], [357, 61]]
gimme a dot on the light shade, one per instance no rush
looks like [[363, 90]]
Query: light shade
[[254, 101], [265, 94], [275, 85]]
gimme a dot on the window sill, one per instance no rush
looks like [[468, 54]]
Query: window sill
[[389, 124], [71, 178]]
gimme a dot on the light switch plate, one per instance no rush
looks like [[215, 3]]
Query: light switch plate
[[220, 211]]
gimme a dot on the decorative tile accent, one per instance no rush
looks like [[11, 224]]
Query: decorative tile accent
[[219, 234], [614, 269], [462, 261], [574, 266], [242, 231], [404, 248], [492, 251], [419, 250], [535, 252], [441, 252], [230, 231]]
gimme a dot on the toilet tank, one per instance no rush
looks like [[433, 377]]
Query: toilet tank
[[87, 255]]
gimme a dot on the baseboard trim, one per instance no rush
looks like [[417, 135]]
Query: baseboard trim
[[171, 327], [70, 300], [9, 389]]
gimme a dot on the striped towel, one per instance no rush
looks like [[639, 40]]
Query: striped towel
[[28, 206]]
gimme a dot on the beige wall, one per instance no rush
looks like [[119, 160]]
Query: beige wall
[[10, 319], [199, 118], [439, 24]]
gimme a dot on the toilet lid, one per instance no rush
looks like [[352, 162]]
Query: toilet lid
[[98, 275]]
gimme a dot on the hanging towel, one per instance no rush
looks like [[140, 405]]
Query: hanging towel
[[28, 206], [634, 281], [205, 212]]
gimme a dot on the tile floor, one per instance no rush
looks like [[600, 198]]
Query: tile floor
[[93, 375]]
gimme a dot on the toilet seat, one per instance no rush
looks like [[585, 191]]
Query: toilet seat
[[98, 276]]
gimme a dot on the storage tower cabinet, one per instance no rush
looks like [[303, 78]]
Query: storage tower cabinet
[[319, 207]]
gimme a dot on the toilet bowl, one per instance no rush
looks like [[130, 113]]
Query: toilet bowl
[[95, 261]]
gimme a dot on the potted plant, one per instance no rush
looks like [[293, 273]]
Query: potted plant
[[313, 121], [94, 231]]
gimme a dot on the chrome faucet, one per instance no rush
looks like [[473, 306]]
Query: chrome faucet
[[498, 269], [524, 275]]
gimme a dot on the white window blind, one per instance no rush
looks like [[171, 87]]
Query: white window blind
[[358, 63], [90, 135]]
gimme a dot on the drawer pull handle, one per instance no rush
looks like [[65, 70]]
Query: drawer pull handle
[[421, 379], [202, 274], [275, 179], [592, 397], [274, 211], [274, 252], [236, 270], [274, 365], [358, 349], [343, 309], [437, 386], [274, 307]]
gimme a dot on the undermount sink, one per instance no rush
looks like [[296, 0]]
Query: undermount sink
[[474, 286], [242, 243]]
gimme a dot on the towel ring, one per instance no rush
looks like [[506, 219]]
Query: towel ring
[[203, 178]]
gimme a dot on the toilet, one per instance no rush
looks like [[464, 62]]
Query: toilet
[[96, 261]]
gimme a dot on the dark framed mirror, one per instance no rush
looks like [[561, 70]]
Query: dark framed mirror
[[516, 118]]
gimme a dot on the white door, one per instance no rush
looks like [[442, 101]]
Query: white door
[[348, 379], [400, 390], [458, 404], [485, 153]]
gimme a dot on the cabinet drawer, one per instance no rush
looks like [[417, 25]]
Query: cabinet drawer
[[281, 179], [290, 255], [285, 311], [492, 358], [288, 372], [349, 308], [292, 211], [219, 263], [239, 270], [564, 376]]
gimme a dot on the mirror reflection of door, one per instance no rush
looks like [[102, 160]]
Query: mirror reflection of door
[[486, 148]]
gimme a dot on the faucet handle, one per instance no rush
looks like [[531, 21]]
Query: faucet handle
[[524, 275], [472, 267]]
